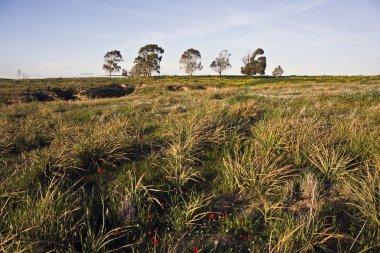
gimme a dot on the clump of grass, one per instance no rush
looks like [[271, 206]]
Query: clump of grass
[[100, 145], [246, 170], [47, 221], [331, 163], [271, 137], [186, 213], [302, 235], [302, 134], [365, 192], [133, 196], [187, 141], [5, 141], [360, 140], [29, 133]]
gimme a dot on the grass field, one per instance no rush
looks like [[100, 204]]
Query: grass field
[[230, 164]]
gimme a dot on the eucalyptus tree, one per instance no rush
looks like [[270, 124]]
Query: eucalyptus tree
[[148, 60], [253, 63], [191, 61], [222, 62], [278, 71], [111, 60]]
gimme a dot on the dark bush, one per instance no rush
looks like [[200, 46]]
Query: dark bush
[[113, 90], [177, 88], [42, 96], [68, 94], [173, 88], [197, 87]]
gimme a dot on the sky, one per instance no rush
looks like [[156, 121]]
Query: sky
[[69, 38]]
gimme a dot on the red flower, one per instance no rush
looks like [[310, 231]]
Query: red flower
[[150, 216], [195, 249], [225, 214], [211, 216], [241, 220], [244, 236], [165, 178], [101, 170], [149, 233], [155, 240]]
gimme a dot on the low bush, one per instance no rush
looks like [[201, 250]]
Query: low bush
[[65, 94], [113, 90], [41, 96]]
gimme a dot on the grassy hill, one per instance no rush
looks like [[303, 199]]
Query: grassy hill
[[180, 164]]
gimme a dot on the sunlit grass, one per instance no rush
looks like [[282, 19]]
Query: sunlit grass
[[225, 164]]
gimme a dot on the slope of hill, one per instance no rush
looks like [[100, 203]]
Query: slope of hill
[[184, 164]]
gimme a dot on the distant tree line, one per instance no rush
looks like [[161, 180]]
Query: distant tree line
[[149, 59]]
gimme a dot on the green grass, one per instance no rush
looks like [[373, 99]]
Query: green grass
[[231, 164]]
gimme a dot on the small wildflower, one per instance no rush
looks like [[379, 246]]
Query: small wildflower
[[211, 216], [241, 220], [195, 249], [150, 216], [225, 214], [101, 170], [165, 177], [244, 236], [155, 240], [150, 233]]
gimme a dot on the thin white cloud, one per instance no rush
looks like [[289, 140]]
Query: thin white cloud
[[222, 20]]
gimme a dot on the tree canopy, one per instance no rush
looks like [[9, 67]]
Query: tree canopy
[[111, 60], [253, 64], [222, 62], [148, 60], [278, 71], [191, 61]]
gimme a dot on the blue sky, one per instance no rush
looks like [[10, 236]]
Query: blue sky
[[51, 38]]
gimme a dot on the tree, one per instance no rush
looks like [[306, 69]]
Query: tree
[[135, 71], [278, 71], [191, 61], [222, 62], [19, 74], [148, 60], [111, 59], [253, 66], [124, 72]]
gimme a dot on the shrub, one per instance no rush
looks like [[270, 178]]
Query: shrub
[[261, 175], [113, 90], [42, 96], [68, 94]]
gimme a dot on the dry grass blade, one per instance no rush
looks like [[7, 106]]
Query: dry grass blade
[[332, 163]]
